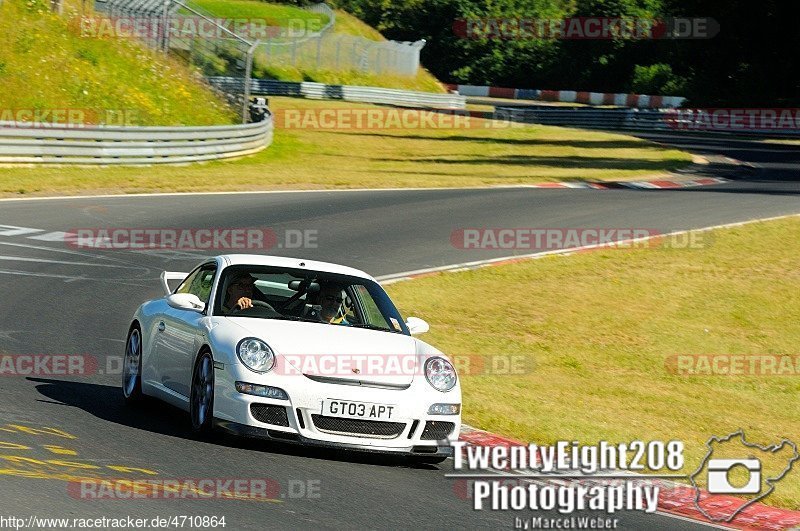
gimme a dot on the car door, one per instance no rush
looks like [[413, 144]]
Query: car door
[[180, 334]]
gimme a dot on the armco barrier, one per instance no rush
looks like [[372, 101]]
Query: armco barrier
[[641, 101], [625, 119], [403, 98], [22, 143], [590, 118]]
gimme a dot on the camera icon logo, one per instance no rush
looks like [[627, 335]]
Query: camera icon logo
[[749, 479], [719, 481]]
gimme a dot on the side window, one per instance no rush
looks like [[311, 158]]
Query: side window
[[187, 282], [372, 315], [200, 282], [350, 309]]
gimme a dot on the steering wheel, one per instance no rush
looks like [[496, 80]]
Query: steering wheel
[[256, 304]]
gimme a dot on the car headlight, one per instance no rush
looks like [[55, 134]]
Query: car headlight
[[255, 354], [440, 373]]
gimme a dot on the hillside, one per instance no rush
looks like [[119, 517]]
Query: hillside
[[46, 64], [346, 24]]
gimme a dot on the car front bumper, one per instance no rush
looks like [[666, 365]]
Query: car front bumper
[[253, 432], [421, 434]]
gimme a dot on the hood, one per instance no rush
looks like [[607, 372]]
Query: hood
[[332, 352]]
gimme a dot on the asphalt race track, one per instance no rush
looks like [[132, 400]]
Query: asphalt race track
[[61, 300]]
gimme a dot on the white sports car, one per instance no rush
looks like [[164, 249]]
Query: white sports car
[[294, 350]]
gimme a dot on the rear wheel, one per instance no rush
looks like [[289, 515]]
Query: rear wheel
[[201, 405], [132, 366]]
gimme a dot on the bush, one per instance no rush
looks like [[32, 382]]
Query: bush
[[657, 79]]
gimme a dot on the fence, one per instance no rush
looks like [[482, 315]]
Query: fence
[[340, 52], [226, 53], [326, 50], [404, 98], [21, 144]]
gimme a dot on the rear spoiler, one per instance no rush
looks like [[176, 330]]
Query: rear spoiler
[[166, 276]]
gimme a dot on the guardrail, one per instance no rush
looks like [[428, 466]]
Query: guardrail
[[642, 101], [402, 98], [628, 119], [22, 143]]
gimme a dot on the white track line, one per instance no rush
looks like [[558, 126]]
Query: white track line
[[63, 251], [568, 184], [259, 192], [57, 236], [46, 261], [12, 230]]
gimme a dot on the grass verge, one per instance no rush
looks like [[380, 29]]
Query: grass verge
[[308, 158], [273, 14], [599, 329], [45, 64]]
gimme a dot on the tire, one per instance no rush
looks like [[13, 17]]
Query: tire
[[132, 367], [201, 403]]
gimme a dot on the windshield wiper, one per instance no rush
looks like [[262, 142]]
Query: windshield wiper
[[374, 327], [295, 318]]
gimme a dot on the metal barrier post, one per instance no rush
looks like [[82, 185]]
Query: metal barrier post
[[165, 26], [248, 72]]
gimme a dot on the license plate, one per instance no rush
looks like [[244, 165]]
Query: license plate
[[357, 410]]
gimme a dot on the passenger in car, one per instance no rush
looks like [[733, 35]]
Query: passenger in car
[[330, 298]]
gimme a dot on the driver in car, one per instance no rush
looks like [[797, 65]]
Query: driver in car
[[241, 292], [332, 311]]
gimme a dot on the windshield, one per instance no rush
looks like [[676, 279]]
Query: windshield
[[263, 292]]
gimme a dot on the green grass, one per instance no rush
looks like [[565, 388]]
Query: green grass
[[351, 25], [274, 14], [46, 64], [307, 158], [598, 329], [423, 81]]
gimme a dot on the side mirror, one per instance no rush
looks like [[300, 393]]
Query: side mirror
[[186, 301], [417, 326]]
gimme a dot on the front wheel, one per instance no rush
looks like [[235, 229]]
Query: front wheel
[[201, 405], [132, 367]]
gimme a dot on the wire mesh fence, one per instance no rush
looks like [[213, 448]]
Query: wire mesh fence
[[207, 42], [341, 52]]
